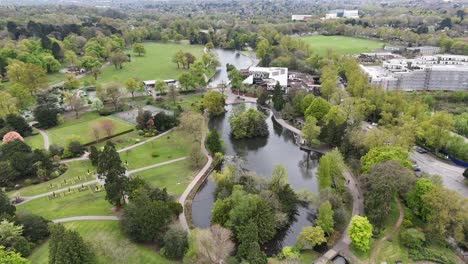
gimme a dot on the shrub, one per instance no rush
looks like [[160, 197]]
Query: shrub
[[412, 238], [427, 254], [27, 182], [75, 148], [175, 243], [175, 207], [154, 154]]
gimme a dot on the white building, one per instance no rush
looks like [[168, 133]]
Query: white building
[[439, 72], [268, 77], [342, 13], [300, 17]]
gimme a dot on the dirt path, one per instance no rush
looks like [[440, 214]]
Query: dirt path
[[377, 245], [86, 218]]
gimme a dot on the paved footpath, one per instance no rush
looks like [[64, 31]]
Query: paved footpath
[[44, 135], [86, 218], [198, 178], [101, 182]]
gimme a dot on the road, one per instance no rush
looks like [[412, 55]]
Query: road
[[452, 175]]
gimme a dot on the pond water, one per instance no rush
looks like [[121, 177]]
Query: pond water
[[232, 57], [260, 155]]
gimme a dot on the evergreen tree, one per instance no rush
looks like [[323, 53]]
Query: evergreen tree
[[68, 247], [214, 143], [5, 206], [110, 167], [249, 249], [278, 100], [94, 155]]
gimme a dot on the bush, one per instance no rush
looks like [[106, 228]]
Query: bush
[[55, 150], [412, 238], [427, 254], [175, 243], [175, 207], [27, 182], [35, 228], [75, 148], [154, 154]]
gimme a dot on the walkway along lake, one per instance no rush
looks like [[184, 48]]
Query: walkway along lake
[[260, 155]]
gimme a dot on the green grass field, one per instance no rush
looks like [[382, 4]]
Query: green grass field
[[108, 243], [156, 64], [75, 204], [174, 177], [75, 169], [82, 128], [185, 101], [168, 147], [35, 141], [341, 44]]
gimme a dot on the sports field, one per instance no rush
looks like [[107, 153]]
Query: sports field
[[341, 44], [156, 64]]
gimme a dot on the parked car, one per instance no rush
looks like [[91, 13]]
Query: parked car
[[416, 167], [421, 150]]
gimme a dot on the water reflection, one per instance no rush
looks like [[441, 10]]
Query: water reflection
[[260, 155], [228, 56]]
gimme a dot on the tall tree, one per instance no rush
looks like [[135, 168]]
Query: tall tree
[[28, 75], [325, 217], [67, 246], [278, 100], [7, 104], [179, 58], [110, 166], [328, 80], [6, 208], [437, 129], [132, 86], [46, 111], [311, 131], [11, 257], [213, 102], [311, 236]]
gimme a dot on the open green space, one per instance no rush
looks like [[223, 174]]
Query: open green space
[[74, 204], [170, 146], [35, 141], [185, 101], [108, 243], [341, 44], [174, 177], [81, 127], [125, 140], [156, 64], [69, 178], [307, 256]]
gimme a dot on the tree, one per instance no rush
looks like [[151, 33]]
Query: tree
[[67, 246], [75, 102], [248, 124], [330, 170], [35, 228], [384, 153], [306, 101], [278, 100], [310, 131], [110, 167], [310, 236], [213, 102], [249, 248], [175, 243], [415, 195], [11, 257], [46, 111], [6, 208], [173, 93], [118, 58], [27, 75], [186, 81], [91, 64], [325, 218], [113, 92], [318, 109], [214, 245], [22, 96], [145, 220], [385, 181], [94, 155], [108, 126], [72, 83], [18, 124], [189, 59], [196, 158], [11, 237], [97, 105], [161, 87], [179, 58], [7, 104], [360, 232], [263, 49], [71, 59], [139, 48], [437, 129], [214, 143], [328, 80]]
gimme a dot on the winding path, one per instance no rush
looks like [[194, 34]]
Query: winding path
[[198, 178], [44, 135], [377, 245]]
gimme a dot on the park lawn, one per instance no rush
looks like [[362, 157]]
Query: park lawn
[[70, 177], [306, 257], [174, 177], [123, 141], [75, 204], [391, 251], [81, 127], [55, 77], [187, 102], [387, 227], [35, 141], [168, 147], [109, 245], [341, 44], [156, 64]]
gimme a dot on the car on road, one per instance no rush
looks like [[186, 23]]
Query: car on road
[[420, 150], [416, 167]]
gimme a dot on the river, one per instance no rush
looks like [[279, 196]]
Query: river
[[260, 155], [235, 58]]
